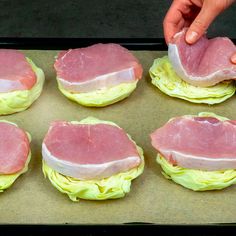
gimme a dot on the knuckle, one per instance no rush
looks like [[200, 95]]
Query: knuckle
[[166, 21], [218, 7], [221, 5], [200, 25]]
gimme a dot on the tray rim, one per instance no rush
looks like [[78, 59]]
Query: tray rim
[[32, 43], [151, 44], [139, 44], [119, 229]]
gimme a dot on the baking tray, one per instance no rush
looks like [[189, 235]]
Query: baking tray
[[154, 204]]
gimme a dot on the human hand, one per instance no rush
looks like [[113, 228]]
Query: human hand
[[195, 14]]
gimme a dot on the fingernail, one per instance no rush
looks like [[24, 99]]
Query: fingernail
[[233, 58], [191, 37]]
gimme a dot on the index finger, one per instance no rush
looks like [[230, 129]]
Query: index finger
[[174, 21]]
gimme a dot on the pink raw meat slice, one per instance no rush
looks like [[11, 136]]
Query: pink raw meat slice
[[203, 143], [204, 63], [96, 67], [14, 148], [15, 72], [89, 151]]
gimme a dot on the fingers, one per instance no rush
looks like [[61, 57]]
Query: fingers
[[208, 13], [170, 29], [174, 20], [200, 25], [178, 17], [233, 58]]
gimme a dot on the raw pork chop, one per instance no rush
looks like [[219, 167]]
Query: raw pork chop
[[204, 63], [15, 72], [204, 143], [88, 151], [95, 67], [14, 148]]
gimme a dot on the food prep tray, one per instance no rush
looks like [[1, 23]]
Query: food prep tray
[[153, 202]]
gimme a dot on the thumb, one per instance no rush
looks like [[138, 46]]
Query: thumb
[[201, 23]]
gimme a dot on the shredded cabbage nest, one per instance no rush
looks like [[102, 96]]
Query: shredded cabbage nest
[[116, 186], [198, 180], [101, 97], [7, 180], [20, 100], [164, 77]]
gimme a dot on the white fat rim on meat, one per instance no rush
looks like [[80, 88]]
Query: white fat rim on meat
[[210, 80], [100, 82], [9, 85], [194, 162], [89, 171]]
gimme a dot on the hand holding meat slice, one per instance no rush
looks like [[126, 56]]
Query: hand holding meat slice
[[195, 14], [205, 63]]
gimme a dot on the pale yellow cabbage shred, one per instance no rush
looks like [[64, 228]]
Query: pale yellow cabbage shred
[[116, 186], [101, 97], [164, 77], [198, 180], [7, 180], [20, 100]]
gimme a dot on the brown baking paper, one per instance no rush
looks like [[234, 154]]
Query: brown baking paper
[[33, 200]]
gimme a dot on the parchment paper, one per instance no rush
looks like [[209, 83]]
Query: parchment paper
[[33, 200]]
